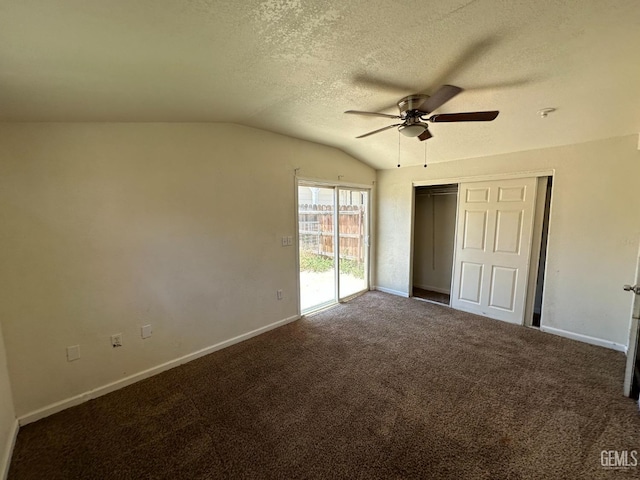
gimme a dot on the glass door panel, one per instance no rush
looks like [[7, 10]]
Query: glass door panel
[[316, 247], [353, 238]]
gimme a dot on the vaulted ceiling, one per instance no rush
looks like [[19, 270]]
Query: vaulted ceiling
[[294, 67]]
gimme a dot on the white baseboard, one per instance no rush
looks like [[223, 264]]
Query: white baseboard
[[433, 289], [5, 462], [392, 292], [585, 338], [136, 377]]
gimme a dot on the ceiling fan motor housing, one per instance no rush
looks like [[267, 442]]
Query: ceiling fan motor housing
[[412, 102]]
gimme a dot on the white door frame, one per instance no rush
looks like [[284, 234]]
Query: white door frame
[[481, 178]]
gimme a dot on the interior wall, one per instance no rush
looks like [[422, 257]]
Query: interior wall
[[7, 412], [108, 227], [434, 241], [593, 232]]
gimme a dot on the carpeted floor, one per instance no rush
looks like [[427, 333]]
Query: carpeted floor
[[380, 387]]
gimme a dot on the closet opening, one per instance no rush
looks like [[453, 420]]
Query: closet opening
[[542, 260], [434, 242]]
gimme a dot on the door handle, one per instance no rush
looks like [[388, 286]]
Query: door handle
[[635, 289]]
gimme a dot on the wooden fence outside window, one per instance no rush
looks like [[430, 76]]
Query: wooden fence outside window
[[315, 223]]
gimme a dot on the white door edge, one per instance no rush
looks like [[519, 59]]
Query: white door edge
[[633, 334]]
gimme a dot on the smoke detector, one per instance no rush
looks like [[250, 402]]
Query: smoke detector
[[544, 113]]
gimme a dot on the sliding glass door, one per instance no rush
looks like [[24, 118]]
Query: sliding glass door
[[353, 239], [333, 244], [316, 247]]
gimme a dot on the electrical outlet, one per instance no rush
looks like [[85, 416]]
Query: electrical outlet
[[116, 340], [289, 241], [73, 353], [146, 331], [279, 294], [284, 241]]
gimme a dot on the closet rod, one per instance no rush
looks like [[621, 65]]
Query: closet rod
[[437, 193]]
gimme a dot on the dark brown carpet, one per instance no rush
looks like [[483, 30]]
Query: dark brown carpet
[[381, 387]]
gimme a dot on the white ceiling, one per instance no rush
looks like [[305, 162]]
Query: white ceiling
[[293, 67]]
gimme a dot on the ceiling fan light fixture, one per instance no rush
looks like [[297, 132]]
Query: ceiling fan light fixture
[[412, 130]]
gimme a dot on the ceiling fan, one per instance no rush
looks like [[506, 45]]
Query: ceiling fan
[[415, 110]]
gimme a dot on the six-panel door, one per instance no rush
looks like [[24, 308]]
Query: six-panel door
[[493, 248]]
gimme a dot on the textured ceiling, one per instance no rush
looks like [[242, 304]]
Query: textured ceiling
[[293, 67]]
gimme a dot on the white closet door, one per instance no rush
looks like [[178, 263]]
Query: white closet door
[[493, 248]]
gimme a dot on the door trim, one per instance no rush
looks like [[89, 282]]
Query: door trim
[[484, 178]]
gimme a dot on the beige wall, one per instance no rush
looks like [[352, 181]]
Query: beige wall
[[593, 237], [7, 413], [107, 227]]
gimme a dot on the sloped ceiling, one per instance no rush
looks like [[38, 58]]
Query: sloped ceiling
[[294, 66]]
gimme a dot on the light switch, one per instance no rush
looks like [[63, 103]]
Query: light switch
[[146, 331], [73, 353]]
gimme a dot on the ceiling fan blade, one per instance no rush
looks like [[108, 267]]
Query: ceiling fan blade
[[466, 59], [426, 135], [440, 97], [379, 130], [374, 114], [382, 84], [465, 117]]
